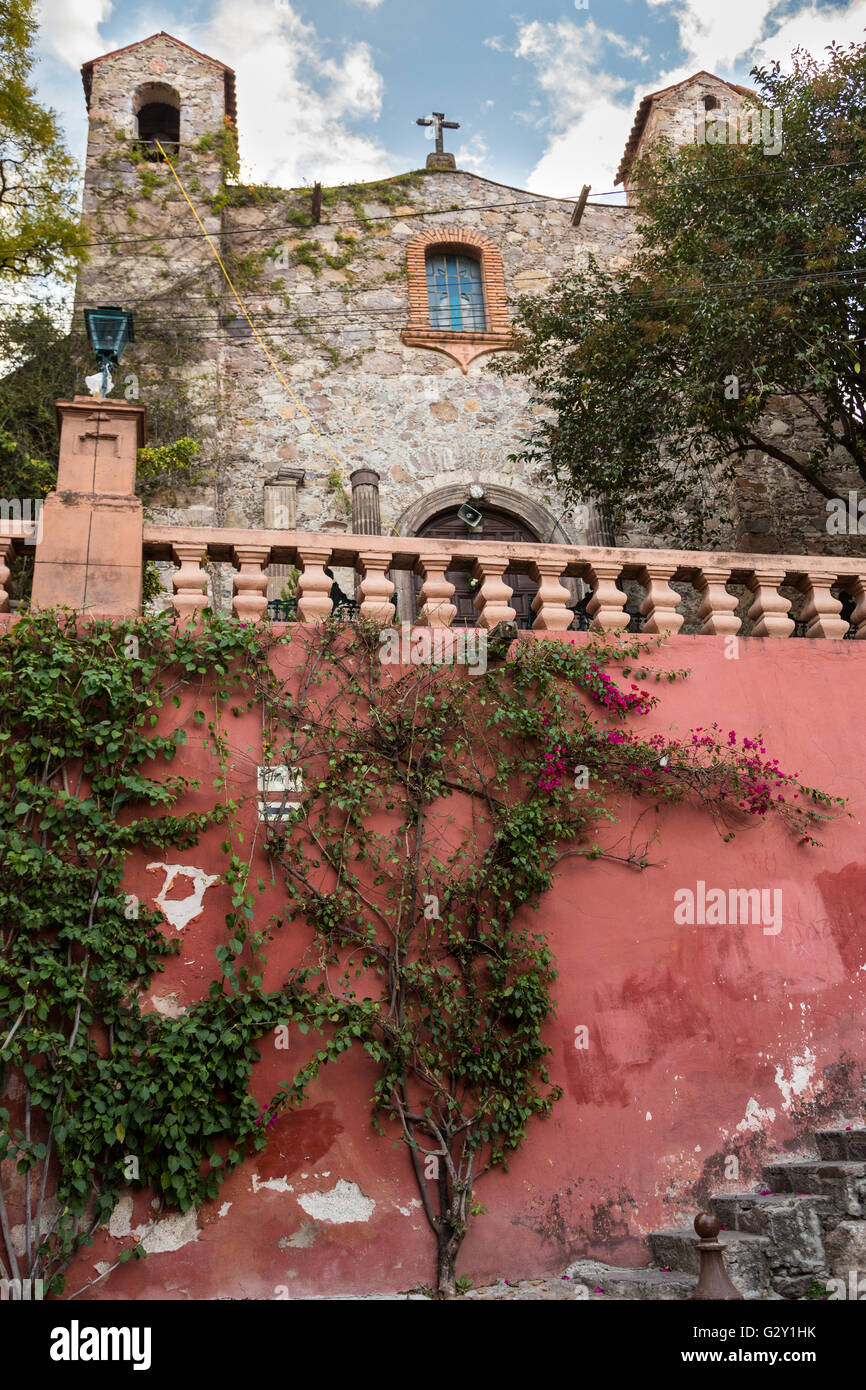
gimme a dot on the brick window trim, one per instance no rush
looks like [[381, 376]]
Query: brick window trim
[[463, 347]]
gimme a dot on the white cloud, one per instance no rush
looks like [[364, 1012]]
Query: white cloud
[[296, 106], [715, 37], [473, 154], [587, 107], [741, 33], [371, 4], [588, 110], [813, 29], [69, 29]]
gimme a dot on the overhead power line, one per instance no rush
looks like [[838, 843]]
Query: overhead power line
[[530, 199]]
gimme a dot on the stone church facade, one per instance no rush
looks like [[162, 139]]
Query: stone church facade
[[382, 306]]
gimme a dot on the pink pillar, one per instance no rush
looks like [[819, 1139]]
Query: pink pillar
[[90, 555]]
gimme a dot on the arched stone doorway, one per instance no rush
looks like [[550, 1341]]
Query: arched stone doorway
[[512, 511], [519, 510], [497, 526]]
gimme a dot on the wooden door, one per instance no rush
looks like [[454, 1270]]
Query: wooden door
[[497, 526]]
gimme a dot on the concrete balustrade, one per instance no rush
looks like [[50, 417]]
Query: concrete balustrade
[[376, 558], [93, 543]]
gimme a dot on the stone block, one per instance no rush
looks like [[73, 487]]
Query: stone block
[[846, 1248]]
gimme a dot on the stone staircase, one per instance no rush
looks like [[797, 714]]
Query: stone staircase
[[807, 1223]]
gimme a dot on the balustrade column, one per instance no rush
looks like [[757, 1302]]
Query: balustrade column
[[821, 610], [607, 602], [550, 604], [717, 605], [435, 608], [661, 602], [7, 550], [314, 586], [491, 601], [857, 589], [376, 588], [190, 581], [769, 612], [251, 582]]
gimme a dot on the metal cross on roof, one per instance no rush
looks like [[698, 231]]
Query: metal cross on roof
[[439, 123]]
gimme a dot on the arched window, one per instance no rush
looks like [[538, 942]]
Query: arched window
[[455, 293], [157, 117], [457, 301], [711, 103]]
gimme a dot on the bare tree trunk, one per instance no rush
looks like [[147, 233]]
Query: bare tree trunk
[[446, 1274]]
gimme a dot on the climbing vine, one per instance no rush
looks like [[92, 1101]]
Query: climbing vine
[[100, 1096], [437, 801]]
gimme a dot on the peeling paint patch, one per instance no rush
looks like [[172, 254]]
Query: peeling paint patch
[[802, 1075], [302, 1238], [168, 1005], [120, 1221], [181, 911], [171, 1233], [755, 1117], [407, 1211], [102, 1266], [224, 1209], [345, 1202], [274, 1184]]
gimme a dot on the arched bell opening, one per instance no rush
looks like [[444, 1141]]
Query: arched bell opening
[[157, 119]]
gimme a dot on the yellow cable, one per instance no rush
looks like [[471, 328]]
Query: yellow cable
[[259, 339]]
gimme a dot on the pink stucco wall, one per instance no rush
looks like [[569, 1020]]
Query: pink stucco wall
[[704, 1041]]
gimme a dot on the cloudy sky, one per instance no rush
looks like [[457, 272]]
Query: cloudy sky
[[545, 94]]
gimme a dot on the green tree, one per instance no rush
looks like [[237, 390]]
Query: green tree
[[41, 363], [747, 289], [40, 232]]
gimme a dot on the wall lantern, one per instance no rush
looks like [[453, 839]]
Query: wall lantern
[[110, 331]]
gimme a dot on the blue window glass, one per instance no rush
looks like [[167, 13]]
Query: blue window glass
[[454, 293]]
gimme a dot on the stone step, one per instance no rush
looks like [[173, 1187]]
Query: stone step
[[847, 1144], [794, 1227], [843, 1182], [745, 1255], [643, 1284]]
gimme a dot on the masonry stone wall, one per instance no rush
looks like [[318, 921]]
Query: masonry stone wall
[[333, 302]]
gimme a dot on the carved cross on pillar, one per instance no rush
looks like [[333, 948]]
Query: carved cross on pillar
[[439, 123], [439, 159]]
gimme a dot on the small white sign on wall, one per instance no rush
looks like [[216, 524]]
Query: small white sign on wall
[[279, 789]]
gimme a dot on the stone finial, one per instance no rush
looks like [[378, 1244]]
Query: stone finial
[[713, 1282]]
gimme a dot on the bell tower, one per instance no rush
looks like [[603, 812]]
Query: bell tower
[[158, 90]]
